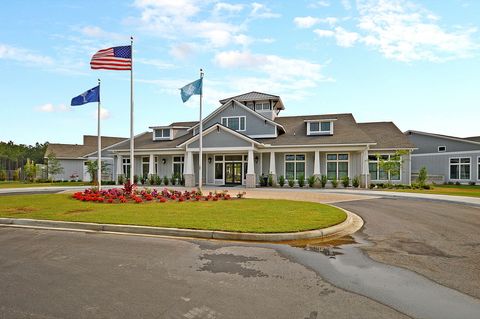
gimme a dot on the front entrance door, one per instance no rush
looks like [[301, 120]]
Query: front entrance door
[[233, 173]]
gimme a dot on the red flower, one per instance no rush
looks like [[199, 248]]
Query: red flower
[[110, 200]]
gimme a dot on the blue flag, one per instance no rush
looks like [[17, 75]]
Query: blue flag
[[92, 95], [194, 88]]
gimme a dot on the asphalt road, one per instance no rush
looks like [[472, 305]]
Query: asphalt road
[[54, 274]]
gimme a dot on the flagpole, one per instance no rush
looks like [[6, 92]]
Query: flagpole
[[200, 153], [132, 157], [99, 143]]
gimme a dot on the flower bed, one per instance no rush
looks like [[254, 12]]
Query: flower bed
[[130, 194]]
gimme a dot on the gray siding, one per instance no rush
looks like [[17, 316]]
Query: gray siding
[[430, 144], [254, 124], [221, 139], [70, 167], [440, 165]]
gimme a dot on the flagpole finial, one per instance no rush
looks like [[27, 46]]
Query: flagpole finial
[[201, 73], [98, 81]]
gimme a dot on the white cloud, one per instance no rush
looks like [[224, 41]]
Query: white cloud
[[308, 21], [319, 4], [346, 4], [182, 51], [261, 11], [8, 52], [104, 114], [324, 33], [345, 38], [160, 64], [227, 7], [50, 108], [97, 32]]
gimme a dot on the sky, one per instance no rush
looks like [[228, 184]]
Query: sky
[[412, 62]]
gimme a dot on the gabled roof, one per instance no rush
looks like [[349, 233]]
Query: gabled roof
[[346, 131], [144, 141], [226, 104], [386, 135], [448, 137], [227, 129], [255, 96], [77, 150], [473, 138]]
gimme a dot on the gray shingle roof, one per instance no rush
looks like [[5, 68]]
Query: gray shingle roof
[[251, 96], [386, 134], [145, 141], [473, 138], [76, 150]]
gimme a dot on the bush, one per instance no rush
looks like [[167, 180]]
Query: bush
[[270, 180], [334, 182], [182, 180], [120, 179], [346, 181], [426, 186], [422, 176], [291, 182], [16, 174], [371, 186], [356, 182], [263, 180], [311, 181], [323, 181], [471, 183], [165, 180], [173, 179], [3, 175], [281, 180], [458, 183], [135, 179], [158, 180], [152, 179], [301, 180]]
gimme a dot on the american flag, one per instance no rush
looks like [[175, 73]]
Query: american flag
[[116, 58]]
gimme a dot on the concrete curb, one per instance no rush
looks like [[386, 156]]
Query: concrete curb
[[351, 224]]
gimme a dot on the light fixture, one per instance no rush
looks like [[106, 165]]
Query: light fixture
[[256, 159], [209, 160], [164, 161]]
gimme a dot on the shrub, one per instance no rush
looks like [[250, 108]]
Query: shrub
[[311, 181], [263, 180], [291, 182], [458, 183], [323, 181], [422, 176], [301, 180], [152, 179], [135, 179], [450, 183], [426, 186], [372, 186], [120, 179], [158, 180], [270, 180], [346, 181], [16, 174], [173, 179], [281, 180], [356, 182], [471, 183], [3, 175], [165, 180], [334, 182], [182, 180]]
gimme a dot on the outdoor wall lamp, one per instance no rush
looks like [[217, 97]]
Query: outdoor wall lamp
[[164, 161], [256, 159], [209, 160]]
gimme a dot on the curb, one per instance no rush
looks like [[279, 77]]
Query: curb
[[350, 225]]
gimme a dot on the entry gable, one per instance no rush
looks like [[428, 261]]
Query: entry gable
[[219, 136]]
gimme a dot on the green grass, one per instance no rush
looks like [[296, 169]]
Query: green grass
[[10, 184], [454, 190], [246, 215]]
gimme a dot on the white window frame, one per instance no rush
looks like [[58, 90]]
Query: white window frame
[[338, 161], [377, 161], [459, 164], [263, 104], [181, 162], [125, 164], [227, 118], [319, 132], [162, 137], [438, 148], [478, 168], [295, 161]]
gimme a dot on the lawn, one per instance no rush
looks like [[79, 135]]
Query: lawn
[[245, 215], [10, 184], [456, 190]]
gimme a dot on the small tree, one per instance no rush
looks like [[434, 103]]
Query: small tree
[[392, 165], [30, 170], [53, 166], [422, 176], [92, 169]]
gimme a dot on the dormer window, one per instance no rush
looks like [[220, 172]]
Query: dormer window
[[262, 106], [319, 127], [162, 134], [236, 123]]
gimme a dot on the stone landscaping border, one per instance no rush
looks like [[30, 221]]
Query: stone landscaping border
[[350, 225]]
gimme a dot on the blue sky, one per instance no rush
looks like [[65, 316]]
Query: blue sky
[[412, 62]]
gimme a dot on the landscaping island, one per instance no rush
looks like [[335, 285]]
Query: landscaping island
[[244, 215]]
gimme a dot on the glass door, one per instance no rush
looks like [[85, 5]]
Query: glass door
[[233, 173]]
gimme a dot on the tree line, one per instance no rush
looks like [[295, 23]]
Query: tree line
[[14, 156]]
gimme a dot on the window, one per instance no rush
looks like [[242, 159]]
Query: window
[[145, 165], [219, 167], [379, 174], [236, 123], [162, 134], [442, 148], [262, 106], [460, 168], [178, 164], [337, 166], [294, 166], [319, 128], [126, 167], [478, 168]]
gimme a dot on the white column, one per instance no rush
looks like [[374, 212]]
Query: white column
[[151, 165], [189, 164], [119, 165], [272, 163], [251, 163], [365, 169], [316, 163]]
